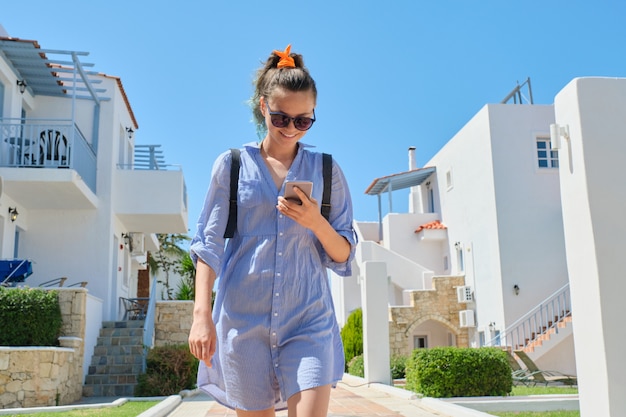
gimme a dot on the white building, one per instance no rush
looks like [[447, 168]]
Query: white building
[[89, 200], [486, 208]]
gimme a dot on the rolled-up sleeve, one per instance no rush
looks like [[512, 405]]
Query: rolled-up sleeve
[[341, 219], [208, 242]]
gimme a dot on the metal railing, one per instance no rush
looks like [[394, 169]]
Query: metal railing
[[537, 321], [149, 157], [148, 325], [47, 143]]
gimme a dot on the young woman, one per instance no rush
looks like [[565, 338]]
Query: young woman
[[272, 341]]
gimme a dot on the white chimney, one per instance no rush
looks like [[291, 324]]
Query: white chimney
[[412, 163], [415, 195]]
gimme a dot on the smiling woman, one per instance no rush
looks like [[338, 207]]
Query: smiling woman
[[272, 340]]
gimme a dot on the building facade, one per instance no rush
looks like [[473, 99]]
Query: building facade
[[89, 200]]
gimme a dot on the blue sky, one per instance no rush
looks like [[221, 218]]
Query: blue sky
[[390, 74]]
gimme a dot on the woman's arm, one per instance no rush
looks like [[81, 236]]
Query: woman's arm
[[202, 336]]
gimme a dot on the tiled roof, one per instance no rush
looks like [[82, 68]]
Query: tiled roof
[[432, 225]]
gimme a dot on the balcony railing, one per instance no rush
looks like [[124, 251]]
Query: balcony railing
[[43, 143]]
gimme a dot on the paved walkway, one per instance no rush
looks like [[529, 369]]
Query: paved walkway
[[348, 399]]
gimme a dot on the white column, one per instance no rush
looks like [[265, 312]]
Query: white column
[[375, 322], [593, 193]]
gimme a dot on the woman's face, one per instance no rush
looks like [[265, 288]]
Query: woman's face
[[292, 104]]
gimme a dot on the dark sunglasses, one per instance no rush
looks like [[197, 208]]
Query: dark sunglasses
[[282, 120]]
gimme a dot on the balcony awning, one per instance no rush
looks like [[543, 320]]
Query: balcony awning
[[399, 181], [395, 182], [51, 72]]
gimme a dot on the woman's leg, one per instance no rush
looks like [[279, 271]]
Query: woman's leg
[[310, 403], [263, 413]]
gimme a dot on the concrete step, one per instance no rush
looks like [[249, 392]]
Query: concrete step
[[122, 324], [120, 341], [117, 360], [125, 369], [109, 390], [121, 331], [119, 350]]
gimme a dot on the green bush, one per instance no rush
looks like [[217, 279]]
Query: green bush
[[356, 366], [352, 335], [398, 366], [29, 317], [169, 370], [459, 372]]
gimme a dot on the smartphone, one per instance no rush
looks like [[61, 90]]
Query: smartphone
[[305, 186]]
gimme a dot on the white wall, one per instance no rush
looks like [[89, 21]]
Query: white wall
[[594, 203], [465, 189], [502, 210], [93, 318], [528, 208]]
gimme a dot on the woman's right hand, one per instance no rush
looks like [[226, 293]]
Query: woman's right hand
[[202, 339]]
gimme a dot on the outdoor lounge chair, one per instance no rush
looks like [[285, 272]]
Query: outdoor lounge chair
[[520, 375], [544, 377]]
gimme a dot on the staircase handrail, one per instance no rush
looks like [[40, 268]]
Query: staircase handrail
[[148, 325], [546, 315]]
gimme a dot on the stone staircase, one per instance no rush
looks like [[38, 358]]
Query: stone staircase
[[546, 333], [117, 360]]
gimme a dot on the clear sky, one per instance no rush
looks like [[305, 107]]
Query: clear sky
[[390, 74]]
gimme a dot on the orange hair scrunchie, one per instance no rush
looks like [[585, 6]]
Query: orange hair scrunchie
[[285, 60]]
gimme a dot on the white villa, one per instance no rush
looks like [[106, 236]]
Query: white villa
[[515, 227], [479, 259], [79, 199]]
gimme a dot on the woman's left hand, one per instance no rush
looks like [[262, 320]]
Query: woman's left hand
[[306, 214]]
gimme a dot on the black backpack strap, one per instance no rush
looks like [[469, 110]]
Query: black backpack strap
[[234, 182], [327, 172]]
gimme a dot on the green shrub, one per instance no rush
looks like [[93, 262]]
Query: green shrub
[[459, 372], [356, 366], [29, 317], [398, 366], [169, 370], [352, 335]]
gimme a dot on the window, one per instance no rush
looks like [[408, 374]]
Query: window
[[420, 342], [449, 180], [546, 157], [459, 257], [431, 200]]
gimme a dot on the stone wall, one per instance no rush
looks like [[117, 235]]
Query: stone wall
[[44, 376], [172, 322], [439, 304]]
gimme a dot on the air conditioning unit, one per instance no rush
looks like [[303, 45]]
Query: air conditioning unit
[[466, 317], [464, 294], [137, 244]]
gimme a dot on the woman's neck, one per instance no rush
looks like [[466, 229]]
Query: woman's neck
[[278, 161]]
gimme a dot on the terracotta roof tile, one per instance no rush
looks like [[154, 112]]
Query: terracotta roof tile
[[432, 225]]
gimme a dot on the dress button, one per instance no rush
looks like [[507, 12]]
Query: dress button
[[277, 294], [280, 234], [275, 314], [280, 254], [278, 274]]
